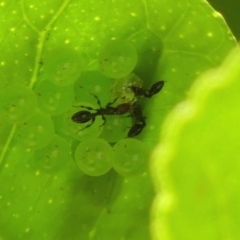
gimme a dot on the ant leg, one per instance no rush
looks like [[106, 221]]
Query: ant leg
[[89, 125], [112, 101], [126, 116], [104, 121], [98, 100], [88, 108]]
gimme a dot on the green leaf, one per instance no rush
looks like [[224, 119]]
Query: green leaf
[[198, 190], [175, 41]]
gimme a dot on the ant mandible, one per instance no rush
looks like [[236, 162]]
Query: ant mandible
[[140, 123], [85, 116], [155, 88]]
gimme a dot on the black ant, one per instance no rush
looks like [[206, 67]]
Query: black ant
[[85, 116], [136, 111], [140, 123], [155, 88]]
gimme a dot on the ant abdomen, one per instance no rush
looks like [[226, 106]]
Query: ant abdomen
[[136, 129], [156, 87], [82, 116]]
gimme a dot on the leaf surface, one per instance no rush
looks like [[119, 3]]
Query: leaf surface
[[175, 42]]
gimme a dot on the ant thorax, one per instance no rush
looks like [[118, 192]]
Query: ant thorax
[[121, 88]]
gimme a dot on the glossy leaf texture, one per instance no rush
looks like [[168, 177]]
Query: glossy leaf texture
[[175, 41]]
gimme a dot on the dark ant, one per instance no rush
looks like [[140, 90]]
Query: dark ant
[[136, 111], [85, 116], [155, 88], [139, 120]]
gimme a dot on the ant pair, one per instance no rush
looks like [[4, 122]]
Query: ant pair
[[134, 109]]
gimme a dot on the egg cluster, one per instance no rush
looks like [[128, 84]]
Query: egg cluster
[[62, 116]]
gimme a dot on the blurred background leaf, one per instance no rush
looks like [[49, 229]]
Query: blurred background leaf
[[229, 9], [196, 167]]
